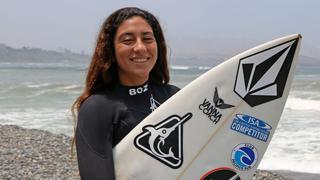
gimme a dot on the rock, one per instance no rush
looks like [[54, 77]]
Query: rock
[[37, 154]]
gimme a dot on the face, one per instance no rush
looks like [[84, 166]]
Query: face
[[136, 51]]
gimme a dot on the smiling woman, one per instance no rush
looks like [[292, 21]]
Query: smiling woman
[[127, 79], [136, 51]]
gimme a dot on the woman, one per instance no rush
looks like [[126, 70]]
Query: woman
[[127, 79]]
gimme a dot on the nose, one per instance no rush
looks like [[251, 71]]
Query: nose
[[140, 46]]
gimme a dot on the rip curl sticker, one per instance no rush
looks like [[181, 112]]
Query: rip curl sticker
[[244, 156]]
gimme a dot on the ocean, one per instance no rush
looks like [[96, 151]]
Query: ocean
[[40, 95]]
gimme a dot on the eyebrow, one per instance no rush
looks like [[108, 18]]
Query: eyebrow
[[147, 33], [131, 34]]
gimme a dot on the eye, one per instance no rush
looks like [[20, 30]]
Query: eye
[[126, 38], [128, 41], [149, 39]]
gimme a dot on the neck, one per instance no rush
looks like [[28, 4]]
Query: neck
[[133, 81]]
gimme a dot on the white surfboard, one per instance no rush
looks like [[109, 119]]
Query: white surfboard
[[217, 127]]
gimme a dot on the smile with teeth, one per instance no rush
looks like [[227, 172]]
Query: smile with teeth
[[139, 60]]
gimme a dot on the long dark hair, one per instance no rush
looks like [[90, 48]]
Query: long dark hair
[[102, 73]]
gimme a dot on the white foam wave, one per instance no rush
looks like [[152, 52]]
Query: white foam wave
[[302, 104], [53, 120], [295, 145], [201, 68], [180, 67], [204, 67], [38, 85], [46, 86], [291, 164], [71, 87]]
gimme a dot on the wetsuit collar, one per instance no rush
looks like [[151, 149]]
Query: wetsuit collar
[[134, 90]]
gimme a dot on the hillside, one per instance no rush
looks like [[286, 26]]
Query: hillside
[[37, 55]]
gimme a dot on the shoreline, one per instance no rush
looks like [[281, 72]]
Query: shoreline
[[40, 154]]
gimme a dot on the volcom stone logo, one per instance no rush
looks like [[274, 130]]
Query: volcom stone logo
[[211, 110], [262, 77], [163, 141]]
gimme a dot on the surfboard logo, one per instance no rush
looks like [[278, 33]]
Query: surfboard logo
[[251, 126], [261, 77], [212, 110], [223, 173], [218, 102], [163, 141], [244, 156]]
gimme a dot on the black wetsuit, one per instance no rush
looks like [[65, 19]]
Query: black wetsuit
[[105, 118]]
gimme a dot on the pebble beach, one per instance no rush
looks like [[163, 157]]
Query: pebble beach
[[38, 154]]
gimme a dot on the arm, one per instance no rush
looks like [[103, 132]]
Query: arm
[[94, 140]]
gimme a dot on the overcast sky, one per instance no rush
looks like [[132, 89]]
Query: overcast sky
[[74, 24]]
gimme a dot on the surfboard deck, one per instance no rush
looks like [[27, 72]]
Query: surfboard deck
[[218, 126]]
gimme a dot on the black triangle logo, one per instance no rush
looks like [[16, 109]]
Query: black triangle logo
[[261, 77], [164, 141]]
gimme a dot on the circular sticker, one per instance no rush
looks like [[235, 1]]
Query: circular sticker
[[244, 156]]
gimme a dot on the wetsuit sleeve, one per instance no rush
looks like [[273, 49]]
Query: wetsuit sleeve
[[94, 139]]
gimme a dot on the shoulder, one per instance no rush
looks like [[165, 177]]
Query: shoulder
[[93, 104], [168, 87], [97, 108], [172, 88], [101, 100], [94, 101], [166, 90]]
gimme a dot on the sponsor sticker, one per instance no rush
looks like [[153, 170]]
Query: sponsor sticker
[[251, 126], [212, 109], [262, 77], [222, 173], [244, 156], [164, 141]]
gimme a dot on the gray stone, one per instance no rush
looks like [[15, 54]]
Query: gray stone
[[37, 154]]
